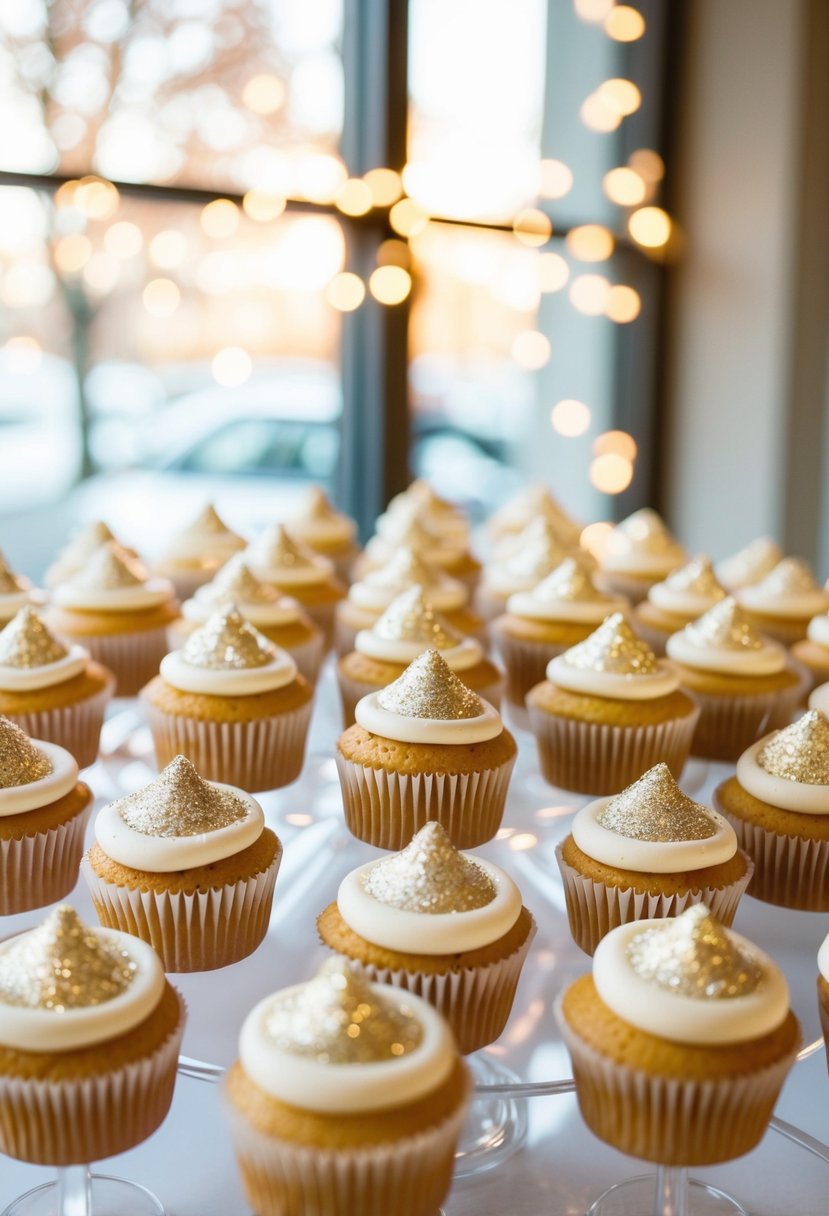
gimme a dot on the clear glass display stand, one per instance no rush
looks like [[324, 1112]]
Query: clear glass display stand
[[496, 1126], [668, 1192], [78, 1192]]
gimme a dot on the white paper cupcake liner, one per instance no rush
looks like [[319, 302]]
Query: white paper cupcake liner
[[593, 908], [387, 808], [323, 616], [75, 1122], [525, 662], [670, 1120], [634, 589], [308, 656], [42, 868], [264, 754], [728, 725], [75, 727], [345, 631], [351, 691], [487, 603], [405, 1177], [190, 932], [133, 658]]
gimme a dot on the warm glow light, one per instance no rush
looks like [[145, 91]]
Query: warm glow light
[[262, 206], [264, 94], [220, 219], [570, 418], [621, 96], [123, 239], [522, 841], [407, 218], [648, 164], [384, 185], [101, 271], [650, 226], [531, 350], [611, 473], [390, 284], [619, 443], [623, 304], [393, 253], [594, 538], [532, 227], [346, 291], [594, 11], [590, 243], [320, 177], [588, 294], [624, 186], [299, 820], [553, 272], [556, 179], [96, 198], [72, 252], [231, 366], [597, 114], [161, 297], [354, 197], [65, 194], [624, 24], [168, 249]]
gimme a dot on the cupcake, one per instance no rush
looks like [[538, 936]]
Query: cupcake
[[534, 554], [563, 609], [233, 703], [609, 710], [782, 604], [449, 927], [277, 616], [407, 628], [43, 813], [438, 514], [648, 852], [90, 1032], [750, 565], [347, 1098], [370, 596], [742, 682], [681, 1040], [299, 572], [425, 748], [812, 652], [407, 530], [778, 804], [640, 552], [15, 592], [74, 555], [193, 555], [531, 503], [188, 866], [671, 605], [327, 531], [52, 691], [118, 613]]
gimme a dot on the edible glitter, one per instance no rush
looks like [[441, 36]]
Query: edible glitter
[[10, 583], [27, 642], [338, 1018], [655, 808], [799, 752], [792, 576], [237, 583], [692, 955], [318, 507], [698, 578], [752, 563], [410, 618], [538, 553], [416, 535], [277, 550], [227, 642], [84, 543], [642, 532], [405, 569], [110, 568], [428, 689], [430, 875], [21, 762], [614, 648], [724, 626], [180, 803], [209, 520], [63, 964], [571, 580]]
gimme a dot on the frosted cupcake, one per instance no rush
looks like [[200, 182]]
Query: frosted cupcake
[[534, 555], [233, 703], [437, 513], [529, 504], [192, 556], [648, 852], [188, 866], [678, 1018], [277, 616], [444, 925], [750, 565], [640, 552], [299, 572], [609, 710], [330, 533], [778, 804], [425, 748], [782, 604], [812, 652], [90, 1033], [681, 598], [43, 814], [407, 530], [563, 609], [119, 613], [78, 550], [15, 592], [407, 628], [347, 1098]]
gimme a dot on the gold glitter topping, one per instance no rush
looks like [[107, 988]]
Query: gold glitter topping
[[643, 532], [279, 551], [537, 551], [430, 875], [21, 762], [180, 803], [110, 568], [754, 562], [428, 689], [615, 648], [792, 576], [27, 642], [799, 752], [571, 580], [698, 577], [63, 964], [209, 520], [655, 808], [338, 1018], [405, 569], [725, 626], [10, 583], [692, 955], [227, 642], [319, 507], [237, 583], [410, 618], [86, 542]]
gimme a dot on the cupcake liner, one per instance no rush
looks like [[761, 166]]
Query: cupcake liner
[[75, 727], [728, 725], [525, 663], [133, 658], [387, 808], [352, 691], [345, 633], [73, 1122], [593, 908], [791, 699], [308, 656], [264, 754], [409, 1177], [42, 868], [613, 582], [670, 1120], [323, 616], [823, 1012], [598, 758], [488, 603], [187, 582], [190, 932]]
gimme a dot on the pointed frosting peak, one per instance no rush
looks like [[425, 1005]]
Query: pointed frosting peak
[[799, 752], [725, 626], [279, 550], [791, 576], [537, 552], [572, 579], [692, 955], [613, 647], [750, 564], [430, 875], [21, 762], [63, 964], [645, 532], [27, 642], [698, 577], [655, 808], [237, 582], [405, 569], [428, 689], [110, 568], [318, 506], [227, 642], [84, 543], [10, 583], [410, 618], [180, 803], [209, 520]]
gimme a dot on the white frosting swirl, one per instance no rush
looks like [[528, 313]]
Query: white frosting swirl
[[277, 558], [799, 796], [16, 799], [818, 631], [767, 659], [466, 654], [284, 610], [379, 587], [29, 679], [207, 542], [823, 959], [11, 604], [642, 545], [152, 594], [789, 591], [689, 591], [650, 856], [404, 729], [819, 698], [750, 565], [628, 687], [231, 681]]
